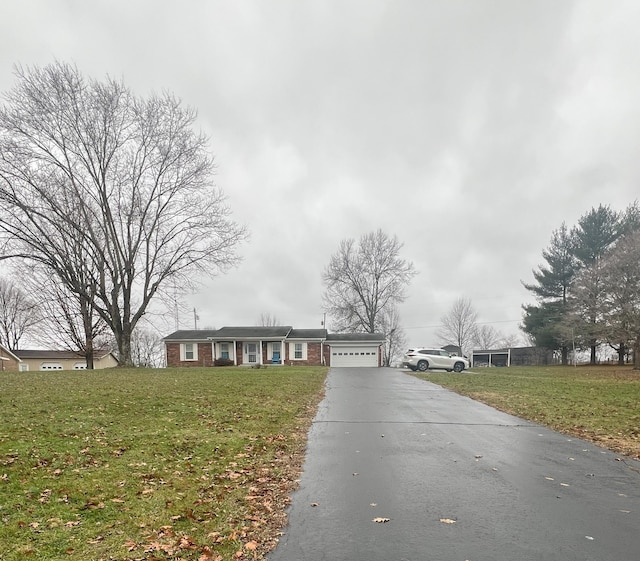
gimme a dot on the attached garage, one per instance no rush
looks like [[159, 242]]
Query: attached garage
[[354, 349]]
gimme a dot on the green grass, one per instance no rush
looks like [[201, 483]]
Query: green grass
[[599, 403], [150, 464]]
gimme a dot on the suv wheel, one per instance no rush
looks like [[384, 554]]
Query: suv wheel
[[423, 366], [458, 367]]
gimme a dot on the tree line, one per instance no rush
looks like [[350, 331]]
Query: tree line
[[588, 288]]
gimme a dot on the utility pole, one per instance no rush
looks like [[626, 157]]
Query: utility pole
[[195, 319]]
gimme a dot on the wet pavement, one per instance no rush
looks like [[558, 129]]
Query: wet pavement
[[450, 479]]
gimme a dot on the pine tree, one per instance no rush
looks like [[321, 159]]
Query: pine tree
[[553, 282]]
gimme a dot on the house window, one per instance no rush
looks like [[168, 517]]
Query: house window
[[298, 351], [80, 366], [224, 350], [189, 351]]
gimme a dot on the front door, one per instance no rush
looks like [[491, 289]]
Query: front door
[[251, 353]]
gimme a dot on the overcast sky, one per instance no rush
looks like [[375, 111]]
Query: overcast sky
[[470, 129]]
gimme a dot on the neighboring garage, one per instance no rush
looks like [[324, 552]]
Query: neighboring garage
[[355, 349]]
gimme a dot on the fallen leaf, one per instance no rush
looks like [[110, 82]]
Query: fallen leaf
[[314, 504], [448, 520], [252, 545], [381, 520]]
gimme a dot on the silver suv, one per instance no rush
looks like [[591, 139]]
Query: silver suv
[[422, 359]]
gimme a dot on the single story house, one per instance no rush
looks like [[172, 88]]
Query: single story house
[[63, 360], [8, 360], [277, 345]]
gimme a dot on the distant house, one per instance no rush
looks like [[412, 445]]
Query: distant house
[[43, 360], [512, 356], [8, 360], [278, 345]]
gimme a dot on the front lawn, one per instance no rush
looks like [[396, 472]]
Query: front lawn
[[599, 403], [150, 464]]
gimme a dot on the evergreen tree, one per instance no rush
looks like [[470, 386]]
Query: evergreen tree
[[551, 289], [596, 232]]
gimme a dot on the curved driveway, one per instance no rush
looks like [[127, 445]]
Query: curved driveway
[[457, 480]]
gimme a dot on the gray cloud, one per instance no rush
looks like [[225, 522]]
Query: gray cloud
[[471, 129]]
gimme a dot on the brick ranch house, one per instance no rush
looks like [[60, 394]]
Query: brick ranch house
[[279, 345]]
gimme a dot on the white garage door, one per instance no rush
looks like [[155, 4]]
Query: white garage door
[[354, 356]]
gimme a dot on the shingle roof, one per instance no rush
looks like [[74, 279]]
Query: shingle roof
[[191, 335], [26, 354], [356, 337], [257, 332], [307, 334], [275, 332]]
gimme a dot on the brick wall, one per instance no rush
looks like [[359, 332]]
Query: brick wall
[[313, 356], [205, 357]]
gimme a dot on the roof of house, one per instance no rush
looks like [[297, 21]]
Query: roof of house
[[307, 334], [5, 351], [231, 333], [271, 333], [47, 354], [257, 332], [191, 335], [356, 337]]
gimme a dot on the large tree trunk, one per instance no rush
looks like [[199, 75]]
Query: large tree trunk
[[622, 349], [565, 355], [636, 353], [594, 356]]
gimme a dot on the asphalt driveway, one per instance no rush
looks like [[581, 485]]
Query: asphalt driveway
[[451, 479]]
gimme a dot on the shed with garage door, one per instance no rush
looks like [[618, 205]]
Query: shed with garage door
[[355, 349]]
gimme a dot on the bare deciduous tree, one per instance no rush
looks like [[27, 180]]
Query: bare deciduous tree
[[487, 337], [620, 274], [459, 325], [121, 183], [363, 280], [268, 320], [395, 339], [67, 321], [147, 349], [509, 341], [19, 314]]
